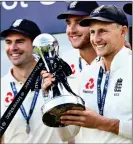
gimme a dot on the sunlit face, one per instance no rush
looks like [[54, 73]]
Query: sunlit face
[[19, 49], [78, 36], [106, 38]]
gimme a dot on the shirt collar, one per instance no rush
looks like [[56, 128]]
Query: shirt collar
[[120, 59], [12, 79]]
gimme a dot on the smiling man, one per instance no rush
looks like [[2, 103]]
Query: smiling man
[[27, 125], [82, 53], [108, 116], [106, 86]]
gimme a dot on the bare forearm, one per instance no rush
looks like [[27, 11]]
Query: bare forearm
[[109, 125], [2, 140]]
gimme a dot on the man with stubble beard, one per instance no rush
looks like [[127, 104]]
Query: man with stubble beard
[[83, 53], [27, 125], [107, 117]]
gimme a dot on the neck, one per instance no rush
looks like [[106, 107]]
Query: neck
[[107, 62], [109, 58], [88, 54], [22, 73]]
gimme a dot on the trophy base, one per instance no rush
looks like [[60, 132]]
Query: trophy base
[[51, 116]]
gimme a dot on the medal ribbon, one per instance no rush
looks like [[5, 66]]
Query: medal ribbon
[[101, 100], [27, 117], [80, 64]]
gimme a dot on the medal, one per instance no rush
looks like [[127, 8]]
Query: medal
[[27, 128], [26, 116]]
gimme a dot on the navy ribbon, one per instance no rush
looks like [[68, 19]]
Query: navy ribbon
[[80, 64], [27, 117], [101, 100]]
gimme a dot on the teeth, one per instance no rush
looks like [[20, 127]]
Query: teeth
[[14, 55], [100, 46], [74, 37]]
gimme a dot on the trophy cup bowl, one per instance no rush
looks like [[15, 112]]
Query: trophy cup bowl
[[57, 103], [54, 108]]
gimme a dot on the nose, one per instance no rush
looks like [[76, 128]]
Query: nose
[[71, 29], [96, 38], [13, 46]]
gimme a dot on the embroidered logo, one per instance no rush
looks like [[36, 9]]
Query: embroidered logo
[[73, 4], [97, 10], [118, 86], [89, 86], [17, 22], [73, 69]]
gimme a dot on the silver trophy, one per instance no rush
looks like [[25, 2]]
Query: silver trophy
[[47, 47]]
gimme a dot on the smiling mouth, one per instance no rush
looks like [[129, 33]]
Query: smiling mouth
[[100, 46], [74, 37], [15, 55]]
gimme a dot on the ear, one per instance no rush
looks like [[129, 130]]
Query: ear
[[124, 30]]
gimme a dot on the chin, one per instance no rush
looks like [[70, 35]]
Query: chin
[[16, 63], [100, 53], [78, 46], [75, 46]]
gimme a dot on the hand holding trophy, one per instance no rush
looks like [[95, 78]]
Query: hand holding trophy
[[46, 46]]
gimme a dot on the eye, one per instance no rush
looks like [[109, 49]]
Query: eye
[[8, 42], [92, 31], [78, 21], [67, 22], [20, 41], [103, 31]]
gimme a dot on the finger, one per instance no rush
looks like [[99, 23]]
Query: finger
[[43, 72], [77, 108], [45, 85], [76, 112], [45, 80], [70, 117], [72, 123], [46, 75]]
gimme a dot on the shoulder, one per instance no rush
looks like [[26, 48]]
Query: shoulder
[[8, 77], [127, 56], [70, 54], [91, 69], [4, 77]]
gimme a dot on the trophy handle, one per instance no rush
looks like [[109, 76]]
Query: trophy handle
[[59, 85], [58, 102]]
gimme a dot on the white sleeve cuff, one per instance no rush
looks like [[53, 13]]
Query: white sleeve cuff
[[125, 129]]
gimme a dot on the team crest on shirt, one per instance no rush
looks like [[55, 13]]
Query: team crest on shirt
[[118, 87], [9, 98], [89, 86]]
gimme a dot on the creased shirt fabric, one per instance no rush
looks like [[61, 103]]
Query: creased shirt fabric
[[118, 102], [71, 57], [16, 132]]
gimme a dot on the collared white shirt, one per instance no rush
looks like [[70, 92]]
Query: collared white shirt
[[16, 131], [118, 101], [73, 58]]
